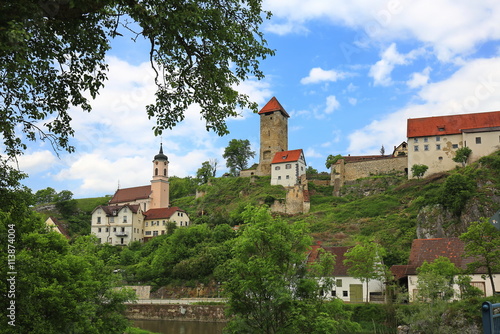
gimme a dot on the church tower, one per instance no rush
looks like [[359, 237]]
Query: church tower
[[273, 134], [160, 186]]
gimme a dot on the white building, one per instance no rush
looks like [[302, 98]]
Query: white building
[[433, 141], [287, 167], [156, 221], [118, 224]]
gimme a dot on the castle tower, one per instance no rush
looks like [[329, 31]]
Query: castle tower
[[160, 186], [273, 134]]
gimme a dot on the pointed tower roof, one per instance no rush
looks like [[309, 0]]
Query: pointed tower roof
[[272, 106], [161, 156]]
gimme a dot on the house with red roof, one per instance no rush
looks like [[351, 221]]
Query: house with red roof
[[433, 141], [428, 250], [57, 226], [157, 220], [287, 167], [346, 287]]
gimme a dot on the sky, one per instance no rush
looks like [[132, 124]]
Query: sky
[[349, 73]]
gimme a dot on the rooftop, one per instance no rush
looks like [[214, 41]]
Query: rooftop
[[272, 106]]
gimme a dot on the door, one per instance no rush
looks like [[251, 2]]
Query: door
[[356, 293]]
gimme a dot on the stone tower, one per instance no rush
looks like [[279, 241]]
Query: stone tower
[[160, 186], [273, 134]]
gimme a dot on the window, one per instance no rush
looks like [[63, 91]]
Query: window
[[426, 147], [345, 293], [99, 229], [478, 140], [440, 158], [125, 219], [441, 128], [155, 233], [148, 233], [123, 229], [146, 224], [162, 232], [277, 168], [114, 229], [163, 223], [334, 293], [415, 148], [180, 224], [438, 138], [415, 140], [288, 177], [111, 219], [426, 140], [288, 166], [98, 220], [156, 171], [338, 283], [279, 177], [455, 146], [107, 229], [438, 147]]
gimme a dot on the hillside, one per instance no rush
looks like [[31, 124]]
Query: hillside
[[388, 208]]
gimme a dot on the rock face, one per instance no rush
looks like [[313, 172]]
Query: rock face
[[436, 222]]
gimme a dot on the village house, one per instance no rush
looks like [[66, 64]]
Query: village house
[[430, 249], [156, 221], [118, 224], [125, 217], [348, 288], [57, 226], [433, 141], [287, 167]]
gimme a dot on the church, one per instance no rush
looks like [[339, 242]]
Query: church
[[139, 213]]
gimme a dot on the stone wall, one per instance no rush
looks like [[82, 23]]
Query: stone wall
[[207, 313], [342, 172], [296, 201]]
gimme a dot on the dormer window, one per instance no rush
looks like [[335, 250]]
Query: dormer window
[[440, 127]]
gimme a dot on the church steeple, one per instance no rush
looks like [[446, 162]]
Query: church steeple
[[159, 183]]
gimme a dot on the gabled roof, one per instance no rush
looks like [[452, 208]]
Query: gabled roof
[[339, 269], [161, 213], [130, 194], [429, 250], [113, 210], [272, 106], [452, 124], [287, 156], [60, 227]]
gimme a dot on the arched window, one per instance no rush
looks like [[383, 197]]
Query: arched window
[[156, 171], [165, 172]]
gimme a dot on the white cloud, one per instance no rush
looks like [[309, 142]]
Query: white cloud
[[317, 74], [448, 27], [473, 88], [352, 101], [381, 71], [36, 162], [419, 79], [332, 104]]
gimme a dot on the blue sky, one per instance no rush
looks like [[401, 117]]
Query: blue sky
[[350, 73]]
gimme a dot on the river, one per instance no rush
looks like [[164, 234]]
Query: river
[[180, 327]]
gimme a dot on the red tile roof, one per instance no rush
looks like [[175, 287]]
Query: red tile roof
[[339, 268], [272, 106], [287, 156], [453, 124], [161, 213], [130, 194], [429, 250]]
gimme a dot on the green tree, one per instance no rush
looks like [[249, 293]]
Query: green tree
[[182, 186], [456, 190], [435, 280], [63, 195], [482, 241], [59, 288], [206, 171], [311, 171], [237, 154], [47, 195], [462, 155], [364, 261], [269, 286], [331, 159], [53, 55], [419, 170]]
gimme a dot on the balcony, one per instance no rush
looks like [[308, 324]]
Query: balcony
[[121, 234]]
